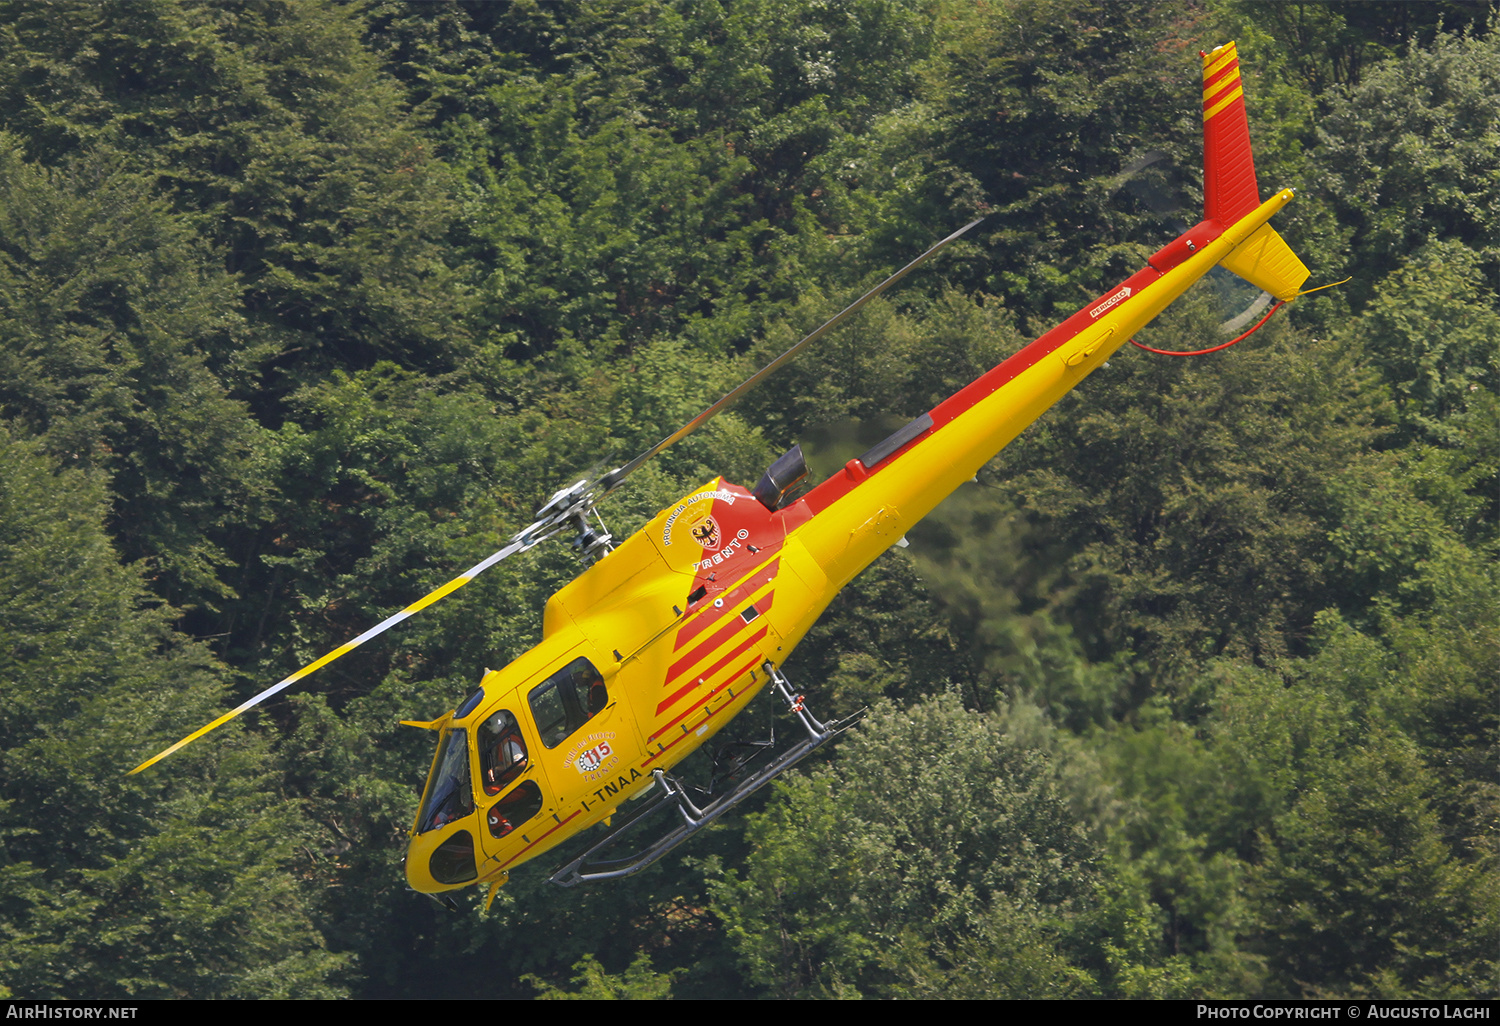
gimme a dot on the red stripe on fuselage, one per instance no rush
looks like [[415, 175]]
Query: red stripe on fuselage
[[539, 840], [732, 598], [682, 737], [718, 638], [702, 678], [982, 387], [747, 667]]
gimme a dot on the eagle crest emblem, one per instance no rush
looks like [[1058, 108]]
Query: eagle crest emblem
[[706, 533]]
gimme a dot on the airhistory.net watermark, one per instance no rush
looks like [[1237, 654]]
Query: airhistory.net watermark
[[24, 1010]]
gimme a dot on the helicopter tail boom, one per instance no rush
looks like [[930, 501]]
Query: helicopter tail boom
[[865, 508], [901, 480]]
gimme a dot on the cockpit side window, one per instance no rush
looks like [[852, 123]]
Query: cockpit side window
[[515, 808], [502, 751], [449, 795], [567, 700]]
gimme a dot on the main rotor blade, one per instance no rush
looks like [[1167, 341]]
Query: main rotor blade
[[524, 540], [614, 477]]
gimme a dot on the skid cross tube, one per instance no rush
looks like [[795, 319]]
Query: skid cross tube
[[591, 866]]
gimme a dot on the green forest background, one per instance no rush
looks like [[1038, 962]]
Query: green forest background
[[304, 305]]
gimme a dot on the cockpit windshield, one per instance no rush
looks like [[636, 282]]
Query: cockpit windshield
[[449, 794]]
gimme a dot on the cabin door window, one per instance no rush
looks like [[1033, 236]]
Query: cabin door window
[[502, 751], [567, 700]]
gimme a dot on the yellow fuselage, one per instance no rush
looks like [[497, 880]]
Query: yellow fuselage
[[680, 620]]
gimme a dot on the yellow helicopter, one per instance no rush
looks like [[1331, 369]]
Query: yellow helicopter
[[665, 638]]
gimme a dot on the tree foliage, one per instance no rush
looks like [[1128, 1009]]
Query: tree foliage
[[933, 832], [304, 305]]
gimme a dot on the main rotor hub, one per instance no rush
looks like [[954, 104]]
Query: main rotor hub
[[570, 508], [591, 544]]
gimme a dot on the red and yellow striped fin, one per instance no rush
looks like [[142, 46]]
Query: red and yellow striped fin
[[1229, 187]]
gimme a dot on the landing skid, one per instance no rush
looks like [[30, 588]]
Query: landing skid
[[670, 793]]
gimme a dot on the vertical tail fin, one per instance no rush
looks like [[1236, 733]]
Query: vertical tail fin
[[1229, 187]]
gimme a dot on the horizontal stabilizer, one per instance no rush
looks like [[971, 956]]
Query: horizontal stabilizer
[[1266, 261]]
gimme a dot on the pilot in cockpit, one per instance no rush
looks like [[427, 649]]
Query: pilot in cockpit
[[502, 751]]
